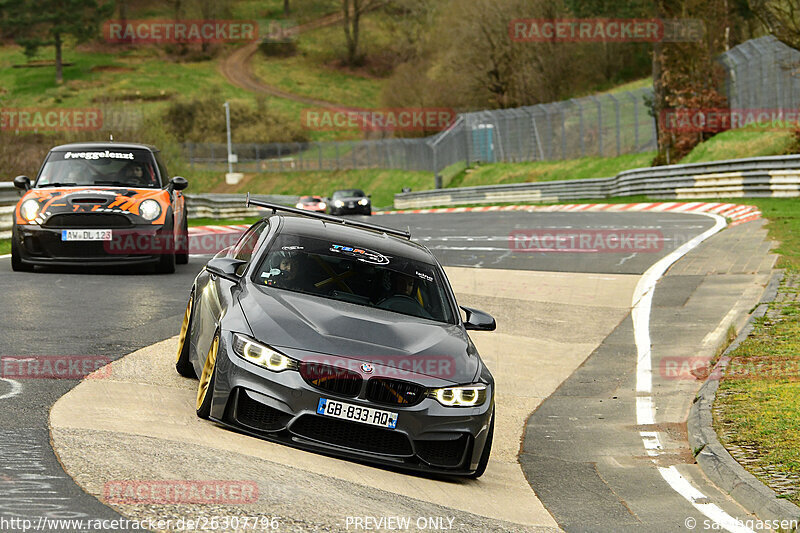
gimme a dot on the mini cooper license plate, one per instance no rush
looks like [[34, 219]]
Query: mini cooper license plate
[[356, 413], [86, 235]]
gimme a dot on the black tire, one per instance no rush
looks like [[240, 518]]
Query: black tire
[[16, 262], [182, 257], [487, 450], [183, 364], [209, 373]]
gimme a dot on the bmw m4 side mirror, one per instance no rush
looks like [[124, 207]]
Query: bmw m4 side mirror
[[226, 267], [478, 320], [22, 182], [178, 183]]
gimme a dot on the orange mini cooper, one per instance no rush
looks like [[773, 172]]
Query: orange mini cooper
[[101, 204]]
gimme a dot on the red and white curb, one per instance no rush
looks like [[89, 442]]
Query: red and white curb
[[738, 214], [735, 212]]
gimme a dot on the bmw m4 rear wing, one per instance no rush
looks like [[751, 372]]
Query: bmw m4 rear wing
[[329, 218]]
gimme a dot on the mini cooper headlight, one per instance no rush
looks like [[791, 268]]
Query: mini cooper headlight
[[322, 205], [338, 203], [261, 355], [299, 205], [149, 210], [363, 201], [29, 210], [467, 396]]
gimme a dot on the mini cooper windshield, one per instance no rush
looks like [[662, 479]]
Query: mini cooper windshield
[[113, 168], [346, 272]]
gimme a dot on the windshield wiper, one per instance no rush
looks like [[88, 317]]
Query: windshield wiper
[[111, 182], [58, 184]]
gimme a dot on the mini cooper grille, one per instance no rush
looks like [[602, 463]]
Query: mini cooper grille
[[88, 220], [331, 378], [257, 415], [352, 435], [394, 392], [442, 452]]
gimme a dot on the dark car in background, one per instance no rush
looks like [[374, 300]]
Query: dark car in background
[[343, 338], [350, 202], [100, 204]]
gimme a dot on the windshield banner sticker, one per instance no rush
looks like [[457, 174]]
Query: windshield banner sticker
[[362, 254], [98, 155]]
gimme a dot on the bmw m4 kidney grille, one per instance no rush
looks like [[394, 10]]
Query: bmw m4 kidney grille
[[87, 220], [352, 435], [394, 392], [332, 379]]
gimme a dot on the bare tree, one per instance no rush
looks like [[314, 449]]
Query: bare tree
[[352, 10], [781, 18]]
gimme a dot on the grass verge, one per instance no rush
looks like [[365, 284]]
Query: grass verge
[[5, 246], [757, 411]]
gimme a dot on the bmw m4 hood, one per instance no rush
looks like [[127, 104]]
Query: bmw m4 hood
[[309, 328]]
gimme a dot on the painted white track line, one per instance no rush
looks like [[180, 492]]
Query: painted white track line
[[16, 388], [645, 407], [4, 256]]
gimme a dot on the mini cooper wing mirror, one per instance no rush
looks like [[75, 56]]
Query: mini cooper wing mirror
[[178, 183], [226, 267], [478, 320], [22, 182]]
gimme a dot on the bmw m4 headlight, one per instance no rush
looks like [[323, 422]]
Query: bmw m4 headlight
[[149, 210], [261, 355], [338, 203], [466, 396], [29, 210], [363, 201]]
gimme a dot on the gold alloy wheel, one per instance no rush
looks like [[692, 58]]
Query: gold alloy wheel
[[208, 372], [184, 328]]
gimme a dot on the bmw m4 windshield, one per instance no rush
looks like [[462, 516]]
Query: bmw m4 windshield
[[341, 271], [113, 168]]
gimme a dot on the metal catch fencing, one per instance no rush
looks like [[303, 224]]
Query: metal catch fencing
[[603, 125], [763, 73]]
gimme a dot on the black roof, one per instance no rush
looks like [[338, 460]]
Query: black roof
[[105, 145], [354, 236]]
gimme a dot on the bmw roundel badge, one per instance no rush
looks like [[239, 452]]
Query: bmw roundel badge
[[367, 368]]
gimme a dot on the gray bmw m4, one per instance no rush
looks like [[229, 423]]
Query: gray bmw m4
[[343, 338]]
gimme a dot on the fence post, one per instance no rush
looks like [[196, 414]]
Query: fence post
[[619, 125]]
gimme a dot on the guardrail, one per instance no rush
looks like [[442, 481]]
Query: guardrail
[[219, 206], [777, 176]]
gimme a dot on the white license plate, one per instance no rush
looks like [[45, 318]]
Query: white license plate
[[357, 413], [86, 235]]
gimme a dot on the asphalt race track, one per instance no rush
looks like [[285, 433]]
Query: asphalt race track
[[108, 315]]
